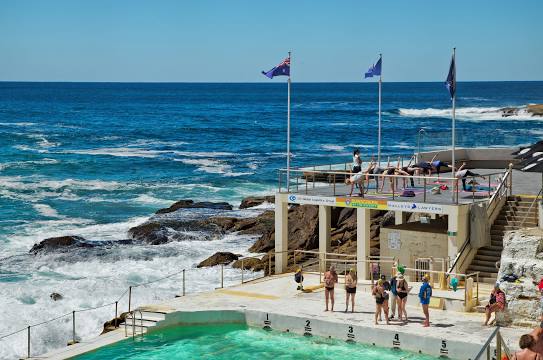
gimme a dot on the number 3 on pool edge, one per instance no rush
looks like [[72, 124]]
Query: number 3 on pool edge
[[351, 330]]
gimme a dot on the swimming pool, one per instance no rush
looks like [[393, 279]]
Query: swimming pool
[[236, 341]]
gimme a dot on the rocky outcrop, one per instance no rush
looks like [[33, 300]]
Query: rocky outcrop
[[522, 256], [535, 109], [218, 258], [253, 201], [114, 323], [190, 204], [55, 296], [62, 242], [153, 233]]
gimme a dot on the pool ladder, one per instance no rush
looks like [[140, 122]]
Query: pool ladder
[[138, 321]]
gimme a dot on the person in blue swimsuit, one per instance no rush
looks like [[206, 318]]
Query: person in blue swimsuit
[[425, 294]]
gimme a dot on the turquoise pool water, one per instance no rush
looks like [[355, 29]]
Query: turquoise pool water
[[239, 342]]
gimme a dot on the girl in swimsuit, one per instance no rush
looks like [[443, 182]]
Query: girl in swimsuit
[[380, 299], [350, 289], [330, 280], [402, 289], [526, 343]]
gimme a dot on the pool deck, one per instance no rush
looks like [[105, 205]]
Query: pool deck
[[276, 300], [524, 183]]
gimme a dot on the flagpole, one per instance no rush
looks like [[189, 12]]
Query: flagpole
[[288, 127], [379, 127], [454, 120]]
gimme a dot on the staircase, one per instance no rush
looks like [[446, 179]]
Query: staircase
[[510, 218], [144, 320]]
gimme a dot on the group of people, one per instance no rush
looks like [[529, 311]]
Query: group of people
[[360, 178], [531, 344], [394, 292]]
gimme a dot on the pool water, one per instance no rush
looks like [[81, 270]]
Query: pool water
[[234, 341]]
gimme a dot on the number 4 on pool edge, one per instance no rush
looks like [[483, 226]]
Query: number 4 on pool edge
[[267, 323], [396, 341]]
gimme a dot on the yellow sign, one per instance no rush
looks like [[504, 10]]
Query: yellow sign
[[362, 203]]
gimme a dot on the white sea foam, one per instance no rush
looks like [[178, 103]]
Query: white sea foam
[[27, 164], [151, 200], [43, 141], [24, 124], [470, 113], [101, 280], [119, 152], [333, 147], [46, 210]]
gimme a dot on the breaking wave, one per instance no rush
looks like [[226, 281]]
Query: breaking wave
[[469, 113]]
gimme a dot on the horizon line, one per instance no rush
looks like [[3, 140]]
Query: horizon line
[[247, 82]]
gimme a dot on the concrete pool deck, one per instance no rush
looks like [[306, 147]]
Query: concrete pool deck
[[274, 302]]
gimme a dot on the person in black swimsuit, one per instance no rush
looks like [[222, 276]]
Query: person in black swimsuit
[[381, 302], [402, 288]]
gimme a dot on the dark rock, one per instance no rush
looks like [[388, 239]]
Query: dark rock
[[61, 242], [218, 258], [250, 264], [509, 111], [152, 233], [55, 296], [114, 323], [253, 201], [189, 204]]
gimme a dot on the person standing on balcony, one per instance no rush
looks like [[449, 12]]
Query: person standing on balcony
[[357, 162]]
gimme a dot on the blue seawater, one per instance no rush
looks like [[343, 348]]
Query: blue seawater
[[94, 159]]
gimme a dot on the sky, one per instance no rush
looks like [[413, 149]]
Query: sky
[[234, 40]]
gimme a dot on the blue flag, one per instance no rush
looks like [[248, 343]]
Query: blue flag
[[450, 83], [282, 69], [374, 70]]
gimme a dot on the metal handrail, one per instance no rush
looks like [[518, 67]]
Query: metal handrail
[[500, 346], [530, 208]]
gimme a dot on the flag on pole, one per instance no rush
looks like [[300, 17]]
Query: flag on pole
[[282, 69], [450, 83], [374, 70]]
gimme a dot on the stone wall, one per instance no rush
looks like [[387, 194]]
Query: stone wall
[[522, 256]]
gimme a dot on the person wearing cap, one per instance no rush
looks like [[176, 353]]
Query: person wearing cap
[[425, 293], [380, 301], [402, 289], [495, 304]]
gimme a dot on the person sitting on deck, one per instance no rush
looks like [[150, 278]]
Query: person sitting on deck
[[526, 344], [464, 174], [495, 304]]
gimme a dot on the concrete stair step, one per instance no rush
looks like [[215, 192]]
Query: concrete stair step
[[486, 258], [139, 323], [515, 222], [495, 254], [483, 269], [483, 263]]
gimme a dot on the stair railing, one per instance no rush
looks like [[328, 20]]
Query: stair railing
[[530, 208], [501, 347]]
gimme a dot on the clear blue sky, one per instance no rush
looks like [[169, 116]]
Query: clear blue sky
[[233, 40]]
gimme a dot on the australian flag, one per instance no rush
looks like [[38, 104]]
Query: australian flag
[[282, 69], [450, 83], [374, 70]]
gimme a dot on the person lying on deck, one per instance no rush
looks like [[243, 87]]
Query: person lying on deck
[[464, 174]]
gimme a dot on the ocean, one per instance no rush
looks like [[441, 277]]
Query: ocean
[[94, 159]]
